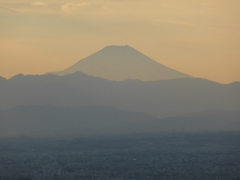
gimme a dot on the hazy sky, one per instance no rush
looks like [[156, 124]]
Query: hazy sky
[[197, 37]]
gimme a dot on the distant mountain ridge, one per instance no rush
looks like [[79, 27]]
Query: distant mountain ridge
[[122, 63], [115, 90], [49, 120], [158, 98]]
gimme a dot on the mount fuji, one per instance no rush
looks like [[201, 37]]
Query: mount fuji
[[121, 63]]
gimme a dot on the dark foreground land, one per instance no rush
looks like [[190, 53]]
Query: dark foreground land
[[123, 157]]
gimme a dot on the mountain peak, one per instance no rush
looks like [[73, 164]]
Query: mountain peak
[[121, 63], [121, 48], [118, 46]]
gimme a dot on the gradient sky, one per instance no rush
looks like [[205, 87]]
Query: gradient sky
[[197, 37]]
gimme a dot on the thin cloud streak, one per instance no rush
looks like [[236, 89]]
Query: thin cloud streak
[[7, 10], [39, 4], [182, 23], [69, 7]]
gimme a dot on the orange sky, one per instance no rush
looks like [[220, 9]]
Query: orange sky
[[197, 37]]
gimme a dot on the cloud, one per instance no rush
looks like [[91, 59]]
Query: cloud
[[39, 4], [7, 10], [69, 7], [182, 23]]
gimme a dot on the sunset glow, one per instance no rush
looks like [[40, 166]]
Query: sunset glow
[[197, 37]]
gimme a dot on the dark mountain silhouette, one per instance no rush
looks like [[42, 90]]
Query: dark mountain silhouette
[[2, 80], [121, 63], [158, 98], [48, 120]]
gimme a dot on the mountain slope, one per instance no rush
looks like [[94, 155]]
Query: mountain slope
[[121, 63], [157, 98]]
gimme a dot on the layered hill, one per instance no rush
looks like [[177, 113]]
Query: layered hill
[[121, 63], [48, 120], [157, 98]]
